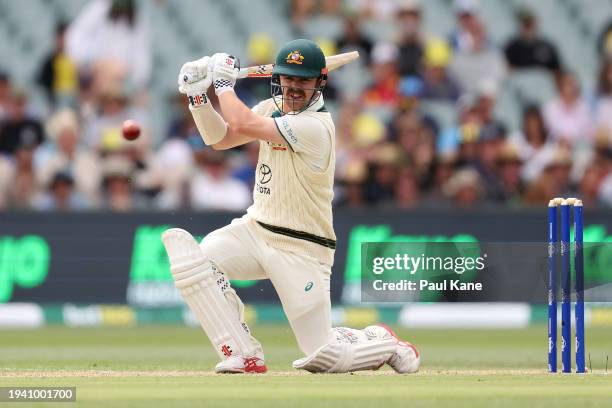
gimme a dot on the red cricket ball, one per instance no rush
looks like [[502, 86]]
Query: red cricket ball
[[130, 129]]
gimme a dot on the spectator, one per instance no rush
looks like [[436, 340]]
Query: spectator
[[444, 168], [327, 23], [533, 144], [407, 189], [212, 188], [119, 195], [604, 41], [23, 189], [20, 129], [61, 196], [383, 92], [379, 10], [174, 158], [61, 154], [380, 185], [301, 12], [488, 150], [603, 115], [560, 169], [350, 184], [591, 185], [103, 130], [410, 41], [568, 116], [529, 49], [476, 59], [485, 105], [437, 84], [468, 25], [509, 168], [113, 34], [58, 75], [459, 139], [463, 188], [5, 95], [417, 144], [6, 178], [352, 39]]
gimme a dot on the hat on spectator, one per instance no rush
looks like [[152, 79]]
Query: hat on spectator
[[261, 48], [384, 53], [487, 89], [354, 172], [463, 178], [409, 6], [525, 15], [466, 6], [61, 177], [367, 130], [117, 166], [62, 120], [437, 53], [328, 46], [386, 154], [509, 154], [411, 86], [561, 157]]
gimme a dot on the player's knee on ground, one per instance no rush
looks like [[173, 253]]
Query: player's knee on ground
[[349, 350]]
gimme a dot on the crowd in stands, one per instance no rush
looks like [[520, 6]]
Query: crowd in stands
[[391, 152]]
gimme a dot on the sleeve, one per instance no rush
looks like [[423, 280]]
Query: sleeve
[[305, 134]]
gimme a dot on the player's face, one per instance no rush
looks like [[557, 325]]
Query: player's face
[[297, 92]]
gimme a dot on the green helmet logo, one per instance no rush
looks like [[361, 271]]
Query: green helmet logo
[[300, 58]]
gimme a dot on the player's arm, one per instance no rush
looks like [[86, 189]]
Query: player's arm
[[243, 124], [194, 80]]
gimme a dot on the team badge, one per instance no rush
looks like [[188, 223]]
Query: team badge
[[295, 57]]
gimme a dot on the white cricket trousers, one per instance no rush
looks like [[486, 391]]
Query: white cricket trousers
[[301, 281]]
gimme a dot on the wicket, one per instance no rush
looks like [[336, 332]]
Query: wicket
[[565, 255]]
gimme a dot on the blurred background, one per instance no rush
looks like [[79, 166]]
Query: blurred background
[[462, 118], [452, 104]]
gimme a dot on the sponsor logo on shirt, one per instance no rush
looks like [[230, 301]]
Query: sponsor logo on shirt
[[288, 130], [264, 175]]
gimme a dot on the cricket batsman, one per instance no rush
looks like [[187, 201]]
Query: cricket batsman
[[287, 234]]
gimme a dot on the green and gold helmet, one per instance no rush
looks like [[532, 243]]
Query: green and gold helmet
[[299, 58]]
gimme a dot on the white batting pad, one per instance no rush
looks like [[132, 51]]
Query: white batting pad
[[203, 289], [348, 353]]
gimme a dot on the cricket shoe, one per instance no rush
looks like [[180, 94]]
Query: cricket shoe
[[406, 358], [241, 365]]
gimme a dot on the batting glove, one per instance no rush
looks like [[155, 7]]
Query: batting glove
[[194, 79], [225, 69]]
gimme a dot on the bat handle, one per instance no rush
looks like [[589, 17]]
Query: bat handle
[[243, 73]]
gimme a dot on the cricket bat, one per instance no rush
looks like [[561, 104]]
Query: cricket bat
[[333, 62]]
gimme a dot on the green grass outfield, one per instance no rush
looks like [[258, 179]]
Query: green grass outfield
[[171, 366]]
